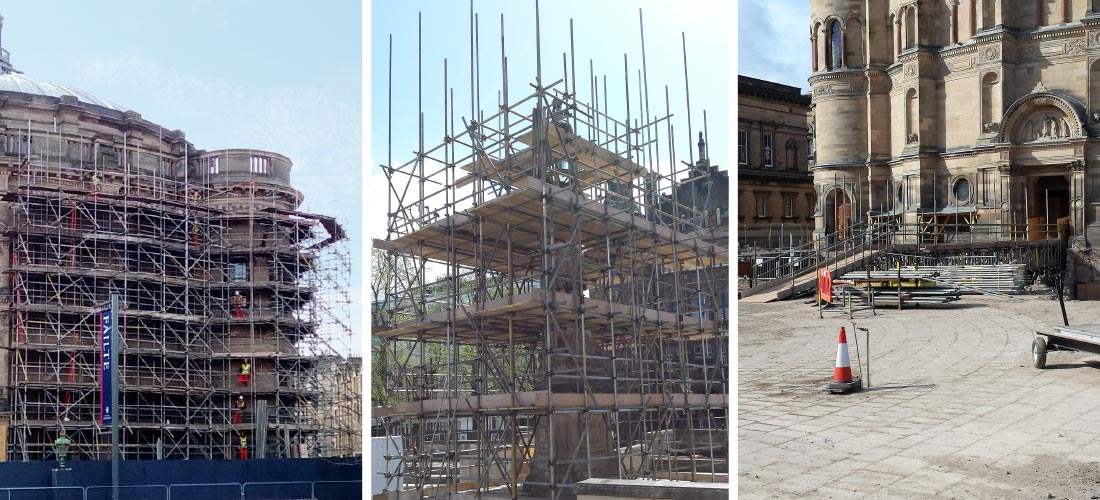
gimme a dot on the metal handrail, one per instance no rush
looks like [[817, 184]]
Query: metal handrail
[[799, 260], [82, 491], [830, 248]]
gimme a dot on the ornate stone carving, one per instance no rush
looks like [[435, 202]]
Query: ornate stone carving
[[912, 139], [857, 87], [991, 53], [1094, 38], [1075, 46], [911, 69], [1044, 127], [990, 127], [1076, 166]]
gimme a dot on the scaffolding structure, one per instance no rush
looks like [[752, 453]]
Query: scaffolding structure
[[176, 233], [554, 308]]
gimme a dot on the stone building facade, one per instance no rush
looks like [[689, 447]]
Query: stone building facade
[[215, 269], [774, 150], [962, 111]]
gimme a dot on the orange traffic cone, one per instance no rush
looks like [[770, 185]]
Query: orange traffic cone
[[842, 374]]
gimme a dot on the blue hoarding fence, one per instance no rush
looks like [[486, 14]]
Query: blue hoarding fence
[[288, 490]]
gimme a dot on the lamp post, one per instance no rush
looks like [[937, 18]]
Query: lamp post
[[61, 447]]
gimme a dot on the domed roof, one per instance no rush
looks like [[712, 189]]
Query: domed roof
[[12, 81]]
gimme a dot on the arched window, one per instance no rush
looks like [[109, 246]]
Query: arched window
[[910, 17], [893, 35], [990, 101], [853, 45], [836, 53], [988, 14], [1094, 89], [912, 125]]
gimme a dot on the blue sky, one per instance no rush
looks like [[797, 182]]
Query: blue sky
[[278, 76], [603, 32], [773, 39]]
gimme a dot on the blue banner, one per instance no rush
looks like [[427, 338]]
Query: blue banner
[[106, 406]]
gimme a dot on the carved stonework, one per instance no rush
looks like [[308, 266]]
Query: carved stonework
[[957, 64], [1041, 116], [1044, 127], [1076, 166], [1075, 46], [1094, 38], [911, 70], [990, 127], [990, 54], [841, 88], [1005, 169]]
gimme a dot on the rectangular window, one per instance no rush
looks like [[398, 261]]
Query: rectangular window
[[769, 159], [743, 147], [761, 205], [238, 271], [788, 206], [213, 165], [259, 164]]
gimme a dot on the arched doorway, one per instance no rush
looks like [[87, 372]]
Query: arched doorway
[[838, 214]]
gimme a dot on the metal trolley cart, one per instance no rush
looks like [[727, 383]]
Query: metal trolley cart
[[1083, 338]]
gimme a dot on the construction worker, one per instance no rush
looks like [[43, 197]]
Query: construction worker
[[245, 374], [244, 447], [95, 186], [238, 414], [237, 303], [195, 235]]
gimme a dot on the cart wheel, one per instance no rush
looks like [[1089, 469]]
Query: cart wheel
[[1039, 352]]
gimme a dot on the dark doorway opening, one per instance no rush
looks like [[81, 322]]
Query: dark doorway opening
[[838, 215], [1049, 201]]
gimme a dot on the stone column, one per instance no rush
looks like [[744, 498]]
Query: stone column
[[813, 45], [897, 37], [843, 46], [569, 429], [1008, 204], [955, 21], [1077, 197], [973, 17]]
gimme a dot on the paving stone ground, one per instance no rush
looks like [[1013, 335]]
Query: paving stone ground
[[955, 410]]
